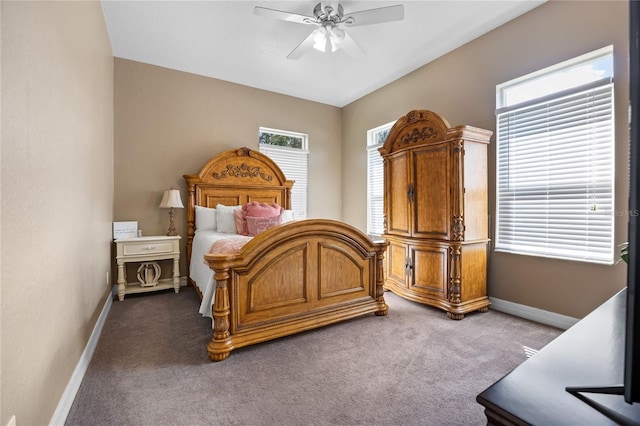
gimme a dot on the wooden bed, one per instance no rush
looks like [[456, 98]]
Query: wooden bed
[[294, 277]]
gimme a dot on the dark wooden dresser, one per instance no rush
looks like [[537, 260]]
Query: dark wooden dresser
[[589, 354]]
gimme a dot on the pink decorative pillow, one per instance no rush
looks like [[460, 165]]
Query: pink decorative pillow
[[241, 222], [256, 225], [255, 209]]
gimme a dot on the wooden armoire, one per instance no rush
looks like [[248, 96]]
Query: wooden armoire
[[435, 206]]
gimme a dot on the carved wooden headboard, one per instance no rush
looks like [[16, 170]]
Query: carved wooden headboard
[[233, 178]]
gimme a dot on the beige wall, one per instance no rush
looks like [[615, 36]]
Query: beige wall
[[461, 87], [169, 123], [57, 196]]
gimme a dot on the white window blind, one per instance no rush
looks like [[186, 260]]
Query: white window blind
[[375, 179], [375, 211], [555, 175], [294, 165]]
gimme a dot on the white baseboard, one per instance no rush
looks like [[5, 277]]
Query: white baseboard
[[64, 406], [533, 314]]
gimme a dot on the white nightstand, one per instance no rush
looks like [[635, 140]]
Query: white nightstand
[[147, 251]]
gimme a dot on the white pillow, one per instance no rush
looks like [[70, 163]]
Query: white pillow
[[287, 216], [206, 219], [225, 218]]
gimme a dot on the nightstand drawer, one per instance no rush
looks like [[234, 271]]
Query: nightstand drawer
[[149, 247]]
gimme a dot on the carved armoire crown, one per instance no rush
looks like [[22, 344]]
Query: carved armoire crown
[[436, 219]]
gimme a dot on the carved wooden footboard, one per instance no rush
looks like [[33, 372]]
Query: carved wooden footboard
[[291, 278], [294, 277]]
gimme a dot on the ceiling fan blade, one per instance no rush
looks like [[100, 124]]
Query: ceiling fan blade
[[351, 46], [304, 45], [284, 16], [375, 16]]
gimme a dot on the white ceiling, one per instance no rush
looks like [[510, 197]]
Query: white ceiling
[[227, 41]]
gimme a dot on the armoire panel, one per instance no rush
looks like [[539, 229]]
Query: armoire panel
[[429, 270], [398, 215], [433, 194]]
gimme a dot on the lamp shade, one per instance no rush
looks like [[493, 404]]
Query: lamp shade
[[171, 198]]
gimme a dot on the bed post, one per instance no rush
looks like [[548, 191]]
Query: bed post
[[191, 220], [380, 280], [219, 347]]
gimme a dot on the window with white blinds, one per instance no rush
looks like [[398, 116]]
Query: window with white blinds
[[375, 179], [289, 151], [555, 174]]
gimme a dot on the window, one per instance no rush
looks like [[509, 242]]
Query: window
[[289, 151], [375, 179], [555, 161]]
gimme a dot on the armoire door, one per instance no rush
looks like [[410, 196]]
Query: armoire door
[[397, 263], [429, 270], [397, 192], [432, 200]]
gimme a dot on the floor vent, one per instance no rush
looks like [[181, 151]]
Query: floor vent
[[529, 352]]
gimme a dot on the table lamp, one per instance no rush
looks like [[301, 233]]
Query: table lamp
[[170, 200]]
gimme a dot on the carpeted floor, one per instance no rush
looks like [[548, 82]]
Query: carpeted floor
[[412, 367]]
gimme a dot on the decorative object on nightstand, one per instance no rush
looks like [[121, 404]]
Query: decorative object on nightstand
[[147, 251], [125, 229], [171, 200], [149, 274]]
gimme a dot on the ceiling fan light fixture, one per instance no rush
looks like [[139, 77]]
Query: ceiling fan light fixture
[[337, 35], [319, 39], [329, 35], [327, 38]]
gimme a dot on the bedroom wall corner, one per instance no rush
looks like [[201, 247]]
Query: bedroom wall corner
[[57, 197]]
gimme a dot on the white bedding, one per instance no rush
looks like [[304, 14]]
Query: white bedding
[[200, 272]]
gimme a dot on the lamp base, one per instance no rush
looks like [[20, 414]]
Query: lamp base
[[172, 229]]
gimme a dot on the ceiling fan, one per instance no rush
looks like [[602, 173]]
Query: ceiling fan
[[329, 20]]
